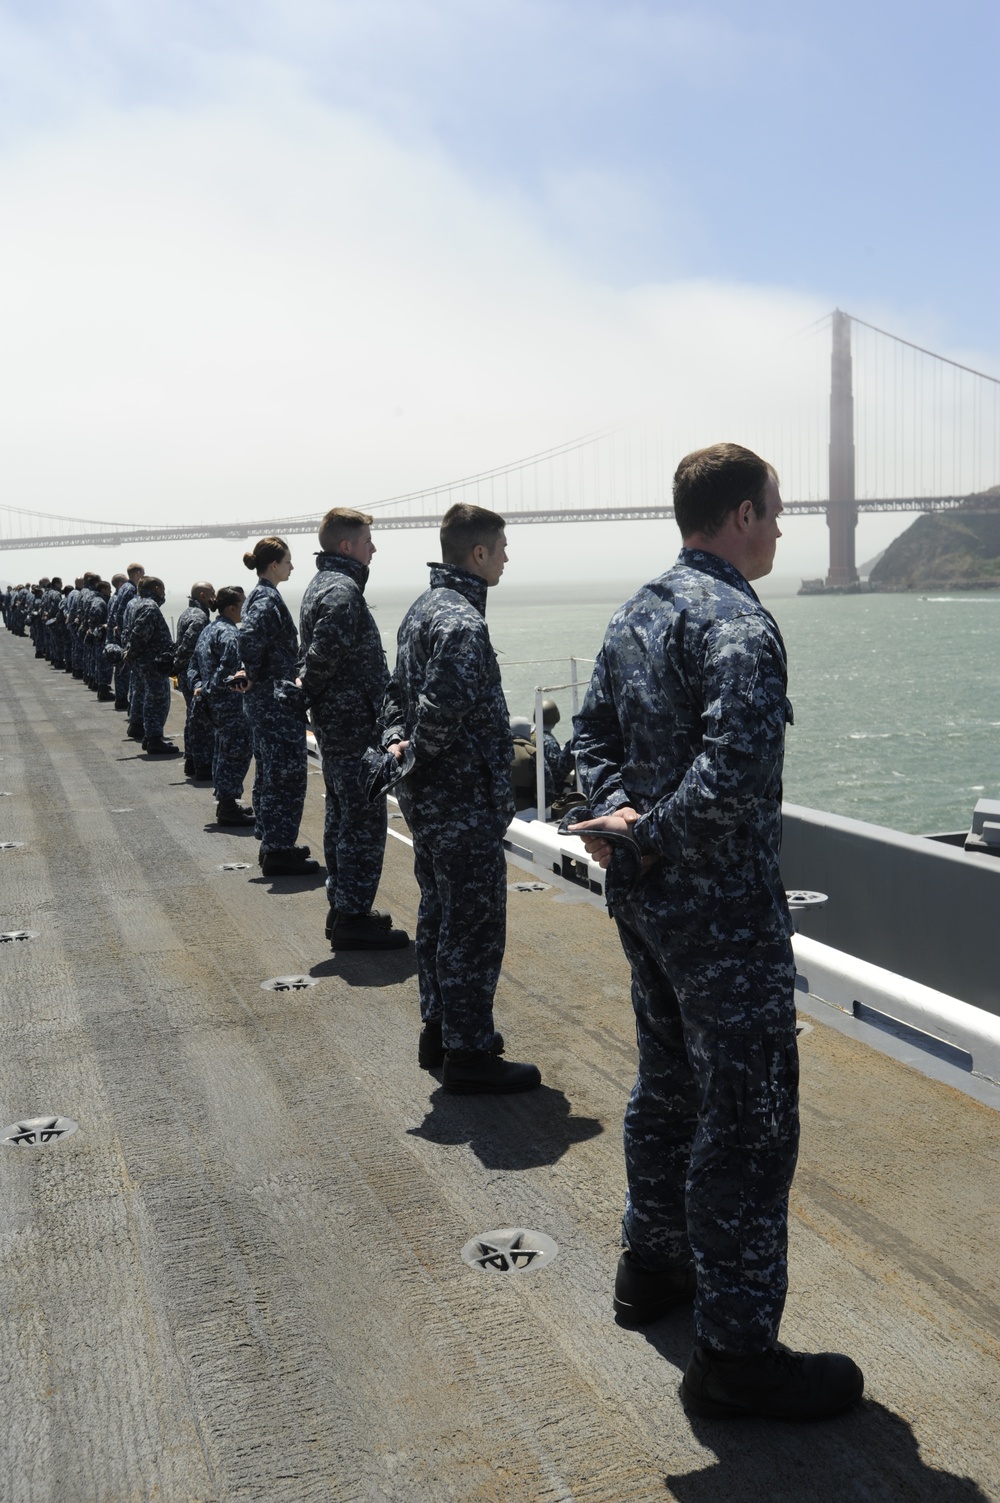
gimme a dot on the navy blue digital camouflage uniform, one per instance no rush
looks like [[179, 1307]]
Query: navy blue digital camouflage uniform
[[150, 653], [116, 612], [684, 721], [344, 675], [98, 629], [275, 712], [445, 697], [216, 658], [199, 737], [80, 606]]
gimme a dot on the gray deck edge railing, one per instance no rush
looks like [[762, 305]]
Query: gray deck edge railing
[[918, 907]]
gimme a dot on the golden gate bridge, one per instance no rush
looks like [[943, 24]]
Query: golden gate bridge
[[903, 430]]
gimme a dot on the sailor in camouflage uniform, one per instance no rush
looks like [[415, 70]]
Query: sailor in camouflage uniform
[[680, 744], [344, 675], [150, 652], [125, 593], [274, 705], [97, 630], [445, 706], [214, 664], [199, 739]]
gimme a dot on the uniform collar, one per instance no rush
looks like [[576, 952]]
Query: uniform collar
[[451, 577], [720, 568], [337, 563]]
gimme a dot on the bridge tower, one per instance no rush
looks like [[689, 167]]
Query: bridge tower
[[841, 511]]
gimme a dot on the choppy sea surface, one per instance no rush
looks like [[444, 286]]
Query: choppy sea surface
[[896, 697]]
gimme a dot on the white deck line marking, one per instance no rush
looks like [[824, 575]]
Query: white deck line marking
[[404, 838]]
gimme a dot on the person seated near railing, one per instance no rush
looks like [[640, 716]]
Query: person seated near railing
[[558, 762]]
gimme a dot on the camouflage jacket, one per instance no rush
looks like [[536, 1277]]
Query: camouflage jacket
[[685, 720], [190, 624], [97, 615], [269, 642], [445, 697], [342, 662], [81, 610], [149, 642], [126, 621], [51, 604], [116, 609], [216, 656]]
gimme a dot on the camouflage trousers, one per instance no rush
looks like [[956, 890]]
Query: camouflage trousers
[[76, 651], [199, 735], [103, 667], [232, 748], [279, 744], [152, 698], [353, 834], [461, 871], [712, 1125], [123, 676]]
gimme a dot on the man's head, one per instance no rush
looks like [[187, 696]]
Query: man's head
[[78, 582], [104, 588], [56, 582], [204, 594], [91, 581], [229, 603], [45, 582], [151, 588], [118, 580], [726, 501], [474, 539], [348, 533], [135, 572]]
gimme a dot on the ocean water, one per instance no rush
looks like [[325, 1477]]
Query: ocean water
[[896, 697]]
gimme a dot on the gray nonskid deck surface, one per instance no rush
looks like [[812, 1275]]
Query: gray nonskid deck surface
[[241, 1278]]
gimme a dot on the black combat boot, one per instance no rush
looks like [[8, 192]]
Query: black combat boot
[[644, 1294], [229, 812], [477, 1072], [135, 730], [104, 694], [377, 916], [156, 746], [774, 1384], [290, 863], [430, 1049], [362, 931], [189, 767]]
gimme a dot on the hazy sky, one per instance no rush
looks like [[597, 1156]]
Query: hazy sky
[[263, 258]]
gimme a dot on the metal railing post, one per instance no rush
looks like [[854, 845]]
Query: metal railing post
[[539, 754]]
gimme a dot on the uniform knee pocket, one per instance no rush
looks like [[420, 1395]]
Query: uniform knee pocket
[[755, 1100]]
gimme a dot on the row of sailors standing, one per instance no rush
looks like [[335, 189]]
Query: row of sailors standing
[[439, 729]]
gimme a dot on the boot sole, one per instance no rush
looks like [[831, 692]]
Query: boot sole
[[717, 1409], [634, 1316], [369, 944], [469, 1088]]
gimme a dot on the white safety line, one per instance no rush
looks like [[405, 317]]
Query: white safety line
[[404, 838]]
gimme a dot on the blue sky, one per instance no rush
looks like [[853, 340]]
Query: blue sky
[[303, 252]]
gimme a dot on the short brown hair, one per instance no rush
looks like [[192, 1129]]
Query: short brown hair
[[710, 483], [464, 527], [339, 523], [267, 551], [147, 584]]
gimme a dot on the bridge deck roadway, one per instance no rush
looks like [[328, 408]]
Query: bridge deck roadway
[[241, 1278]]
